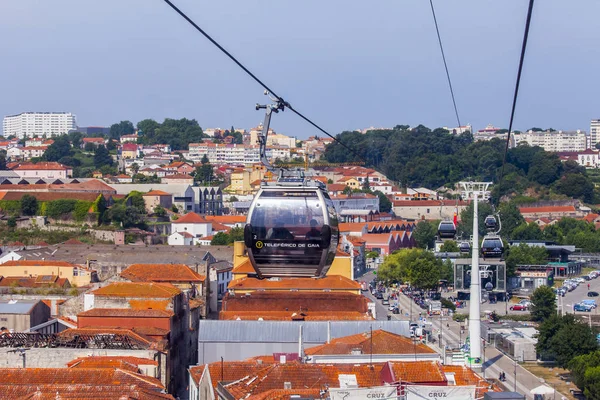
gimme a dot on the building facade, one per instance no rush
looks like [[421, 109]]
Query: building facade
[[31, 124], [555, 141]]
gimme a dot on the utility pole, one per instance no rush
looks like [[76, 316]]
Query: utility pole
[[475, 190]]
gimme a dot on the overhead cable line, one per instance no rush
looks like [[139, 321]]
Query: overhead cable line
[[514, 104], [445, 64], [260, 82]]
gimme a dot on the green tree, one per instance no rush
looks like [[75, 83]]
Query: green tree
[[576, 185], [524, 254], [148, 127], [236, 234], [75, 137], [527, 231], [12, 222], [564, 338], [545, 168], [385, 205], [543, 302], [510, 218], [366, 184], [580, 364], [29, 205], [466, 218], [347, 191], [135, 199], [159, 211], [89, 147], [102, 157], [59, 149], [120, 129], [220, 239], [2, 160], [424, 234], [135, 168], [449, 246], [417, 266]]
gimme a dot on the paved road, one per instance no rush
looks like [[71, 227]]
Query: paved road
[[494, 361]]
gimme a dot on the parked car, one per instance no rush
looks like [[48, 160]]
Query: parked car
[[562, 291], [379, 295], [580, 280], [589, 302], [396, 310], [593, 294], [385, 302], [519, 307], [582, 307]]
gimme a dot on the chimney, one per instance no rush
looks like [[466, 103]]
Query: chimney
[[287, 385]]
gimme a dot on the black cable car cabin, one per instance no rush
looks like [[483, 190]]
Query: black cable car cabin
[[291, 231], [492, 246], [446, 230], [464, 247], [490, 223]]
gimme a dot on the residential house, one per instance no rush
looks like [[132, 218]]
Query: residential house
[[95, 141], [20, 315], [122, 178], [552, 212], [76, 274], [220, 274], [155, 198], [129, 150], [178, 178], [43, 170], [180, 167], [29, 152], [133, 138], [192, 223], [158, 311]]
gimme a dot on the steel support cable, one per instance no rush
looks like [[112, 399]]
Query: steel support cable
[[514, 104], [261, 83], [445, 64]]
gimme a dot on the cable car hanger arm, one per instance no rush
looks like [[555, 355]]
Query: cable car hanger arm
[[278, 104]]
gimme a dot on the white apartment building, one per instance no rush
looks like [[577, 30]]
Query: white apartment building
[[32, 124], [240, 154], [557, 141], [594, 133]]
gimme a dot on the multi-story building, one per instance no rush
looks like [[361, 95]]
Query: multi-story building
[[31, 124], [218, 154], [48, 170], [594, 133], [556, 141]]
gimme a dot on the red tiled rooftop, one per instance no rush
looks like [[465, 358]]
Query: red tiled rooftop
[[329, 282], [157, 193], [294, 316], [191, 218], [553, 209], [126, 312], [382, 343], [352, 226], [41, 166], [417, 372], [138, 289], [161, 273], [244, 268]]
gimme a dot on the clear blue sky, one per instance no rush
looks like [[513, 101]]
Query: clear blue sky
[[346, 64]]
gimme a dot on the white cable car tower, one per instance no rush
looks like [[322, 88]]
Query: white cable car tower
[[475, 191]]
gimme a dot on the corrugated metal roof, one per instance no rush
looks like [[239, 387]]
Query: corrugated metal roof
[[17, 306], [287, 332]]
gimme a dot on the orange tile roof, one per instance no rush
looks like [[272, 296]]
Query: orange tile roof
[[244, 268], [286, 394], [126, 312], [138, 289], [382, 343], [466, 376], [285, 305], [227, 219], [232, 371], [161, 273], [294, 316], [377, 238], [41, 166], [329, 282], [77, 383], [555, 209], [352, 226], [73, 241], [417, 372], [191, 218], [157, 193], [301, 376], [591, 217], [427, 203]]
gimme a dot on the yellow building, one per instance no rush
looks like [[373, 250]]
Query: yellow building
[[79, 275], [241, 179], [339, 277]]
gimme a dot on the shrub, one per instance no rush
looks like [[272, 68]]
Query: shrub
[[460, 317], [448, 304]]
